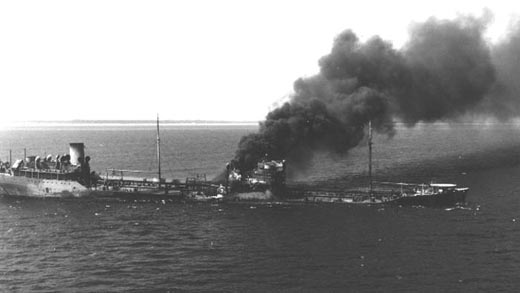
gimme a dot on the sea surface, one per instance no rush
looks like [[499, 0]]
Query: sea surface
[[94, 245]]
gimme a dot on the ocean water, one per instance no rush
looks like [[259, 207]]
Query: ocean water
[[92, 245]]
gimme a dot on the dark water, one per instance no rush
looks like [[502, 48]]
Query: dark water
[[89, 245]]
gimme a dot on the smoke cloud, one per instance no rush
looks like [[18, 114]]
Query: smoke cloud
[[503, 102], [445, 70]]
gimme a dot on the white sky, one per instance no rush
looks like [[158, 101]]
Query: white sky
[[212, 60]]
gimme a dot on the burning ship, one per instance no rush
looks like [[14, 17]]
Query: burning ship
[[70, 176]]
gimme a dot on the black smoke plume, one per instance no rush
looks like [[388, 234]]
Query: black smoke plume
[[504, 100], [445, 70]]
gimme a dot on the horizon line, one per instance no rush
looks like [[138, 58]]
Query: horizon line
[[128, 121]]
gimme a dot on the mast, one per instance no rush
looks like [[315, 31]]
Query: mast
[[370, 157], [158, 151]]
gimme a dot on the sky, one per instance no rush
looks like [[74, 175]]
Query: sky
[[187, 60]]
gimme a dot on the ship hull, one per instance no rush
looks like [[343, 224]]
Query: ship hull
[[35, 187], [251, 196], [45, 188], [136, 194], [449, 198]]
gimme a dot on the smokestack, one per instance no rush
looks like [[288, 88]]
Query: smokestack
[[77, 153]]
